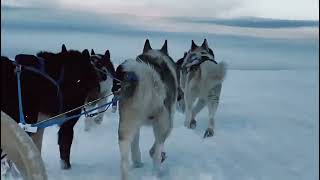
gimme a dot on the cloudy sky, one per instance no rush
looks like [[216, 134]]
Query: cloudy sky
[[277, 9]]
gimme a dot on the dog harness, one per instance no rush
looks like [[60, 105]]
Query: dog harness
[[195, 62]]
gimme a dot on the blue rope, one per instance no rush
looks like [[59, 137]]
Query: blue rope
[[21, 115], [47, 123], [60, 121]]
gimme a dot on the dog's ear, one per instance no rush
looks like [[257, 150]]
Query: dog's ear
[[185, 54], [164, 48], [147, 46], [205, 45], [92, 52], [193, 45], [179, 62], [86, 53], [211, 52], [64, 49], [107, 55]]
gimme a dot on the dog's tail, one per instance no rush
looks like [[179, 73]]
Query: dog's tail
[[148, 85], [214, 72]]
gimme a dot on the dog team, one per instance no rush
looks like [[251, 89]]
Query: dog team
[[149, 89]]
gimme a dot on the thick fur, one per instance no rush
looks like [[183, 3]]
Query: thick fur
[[203, 83], [39, 96], [148, 100], [104, 69], [211, 75], [149, 87]]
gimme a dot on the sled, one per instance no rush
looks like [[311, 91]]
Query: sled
[[20, 149]]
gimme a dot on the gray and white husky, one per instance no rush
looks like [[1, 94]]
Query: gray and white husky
[[147, 97], [201, 79], [105, 70]]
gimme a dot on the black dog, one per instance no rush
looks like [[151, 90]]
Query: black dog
[[74, 75]]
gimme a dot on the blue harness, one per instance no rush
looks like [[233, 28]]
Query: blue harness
[[21, 116], [49, 122], [40, 70]]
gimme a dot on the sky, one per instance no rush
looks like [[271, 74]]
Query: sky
[[276, 9]]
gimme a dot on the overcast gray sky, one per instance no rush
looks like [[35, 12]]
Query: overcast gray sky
[[278, 9]]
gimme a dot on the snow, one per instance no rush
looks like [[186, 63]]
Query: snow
[[267, 123], [266, 128]]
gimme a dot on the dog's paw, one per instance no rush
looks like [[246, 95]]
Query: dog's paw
[[190, 124], [65, 165], [163, 156], [193, 124], [209, 133]]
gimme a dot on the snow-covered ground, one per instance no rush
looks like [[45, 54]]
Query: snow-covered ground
[[266, 128], [267, 124]]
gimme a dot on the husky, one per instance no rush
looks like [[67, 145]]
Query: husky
[[147, 97], [105, 71], [201, 79]]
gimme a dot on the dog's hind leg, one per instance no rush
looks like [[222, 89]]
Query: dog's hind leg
[[161, 129], [189, 100], [166, 128], [213, 102], [124, 146], [128, 126], [135, 151], [163, 153], [198, 107], [157, 149]]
